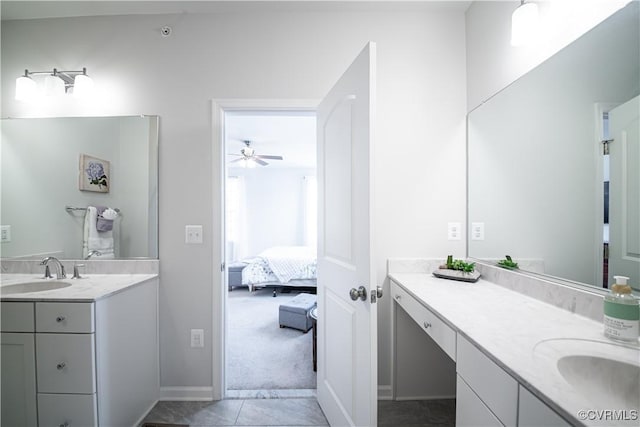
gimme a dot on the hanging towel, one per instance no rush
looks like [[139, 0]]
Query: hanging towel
[[95, 240]]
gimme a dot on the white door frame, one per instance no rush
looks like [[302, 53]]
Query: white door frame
[[218, 303]]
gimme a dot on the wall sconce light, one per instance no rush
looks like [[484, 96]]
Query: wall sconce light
[[56, 83], [524, 24]]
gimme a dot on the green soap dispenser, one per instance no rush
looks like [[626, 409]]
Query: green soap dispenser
[[621, 312]]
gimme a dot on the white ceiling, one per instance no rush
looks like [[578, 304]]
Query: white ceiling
[[31, 9], [287, 134]]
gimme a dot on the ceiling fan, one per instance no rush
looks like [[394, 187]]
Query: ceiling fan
[[249, 156]]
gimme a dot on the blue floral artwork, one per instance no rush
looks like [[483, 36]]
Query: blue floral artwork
[[94, 174]]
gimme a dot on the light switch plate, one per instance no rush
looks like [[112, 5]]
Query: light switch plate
[[197, 338], [477, 231], [5, 233], [193, 234], [454, 232]]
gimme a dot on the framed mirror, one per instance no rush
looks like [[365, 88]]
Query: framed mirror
[[540, 187], [53, 169]]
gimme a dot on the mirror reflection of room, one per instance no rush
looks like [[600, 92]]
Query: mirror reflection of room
[[543, 161], [48, 186]]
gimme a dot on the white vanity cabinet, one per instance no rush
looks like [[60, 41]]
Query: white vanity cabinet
[[486, 394], [441, 333], [17, 342], [495, 390], [533, 413], [66, 367], [94, 362]]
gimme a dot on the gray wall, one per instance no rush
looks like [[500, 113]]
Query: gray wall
[[419, 155]]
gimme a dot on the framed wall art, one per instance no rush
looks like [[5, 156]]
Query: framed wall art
[[94, 174]]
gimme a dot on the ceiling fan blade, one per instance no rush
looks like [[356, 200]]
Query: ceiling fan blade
[[233, 154], [237, 160], [260, 162], [261, 156]]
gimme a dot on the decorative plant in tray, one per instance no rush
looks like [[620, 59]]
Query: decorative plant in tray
[[456, 269], [508, 263]]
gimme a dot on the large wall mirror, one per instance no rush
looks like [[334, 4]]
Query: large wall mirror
[[46, 188], [541, 183]]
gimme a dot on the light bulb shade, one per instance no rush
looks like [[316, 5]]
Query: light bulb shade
[[524, 24], [53, 86], [25, 88], [82, 86]]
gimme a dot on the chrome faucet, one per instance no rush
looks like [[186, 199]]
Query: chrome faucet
[[92, 253], [60, 273]]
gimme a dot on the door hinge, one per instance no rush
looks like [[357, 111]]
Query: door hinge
[[222, 266], [605, 146]]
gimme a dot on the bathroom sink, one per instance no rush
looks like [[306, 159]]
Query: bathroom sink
[[22, 288], [604, 372]]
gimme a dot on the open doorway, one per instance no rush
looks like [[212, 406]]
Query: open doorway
[[270, 243]]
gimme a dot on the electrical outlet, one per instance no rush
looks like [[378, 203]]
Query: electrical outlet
[[5, 233], [477, 231], [454, 231], [193, 234], [197, 338]]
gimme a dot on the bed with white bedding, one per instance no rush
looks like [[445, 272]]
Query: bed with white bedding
[[281, 266]]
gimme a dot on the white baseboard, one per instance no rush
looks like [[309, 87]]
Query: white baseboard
[[186, 393], [385, 392]]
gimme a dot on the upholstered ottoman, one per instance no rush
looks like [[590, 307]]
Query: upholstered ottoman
[[295, 313], [235, 274]]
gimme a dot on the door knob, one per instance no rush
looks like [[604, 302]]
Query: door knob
[[360, 293]]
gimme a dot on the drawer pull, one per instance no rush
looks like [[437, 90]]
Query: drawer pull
[[426, 325], [60, 319], [60, 366], [66, 424]]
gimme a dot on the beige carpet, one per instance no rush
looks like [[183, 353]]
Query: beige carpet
[[260, 354]]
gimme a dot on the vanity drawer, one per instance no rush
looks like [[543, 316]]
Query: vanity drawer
[[72, 410], [470, 410], [497, 389], [532, 412], [16, 317], [65, 363], [442, 334], [75, 317]]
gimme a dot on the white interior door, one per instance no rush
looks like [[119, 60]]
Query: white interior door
[[347, 329], [624, 192]]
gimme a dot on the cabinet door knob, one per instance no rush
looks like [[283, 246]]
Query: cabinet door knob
[[60, 319], [65, 424], [398, 297], [60, 366], [426, 325]]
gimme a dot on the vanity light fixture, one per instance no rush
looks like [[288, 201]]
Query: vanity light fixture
[[524, 23], [56, 83]]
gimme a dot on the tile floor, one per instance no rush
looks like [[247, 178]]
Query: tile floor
[[293, 412]]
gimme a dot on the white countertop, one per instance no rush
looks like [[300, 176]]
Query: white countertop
[[91, 287], [507, 326]]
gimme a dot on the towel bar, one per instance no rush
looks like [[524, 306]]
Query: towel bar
[[74, 208]]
